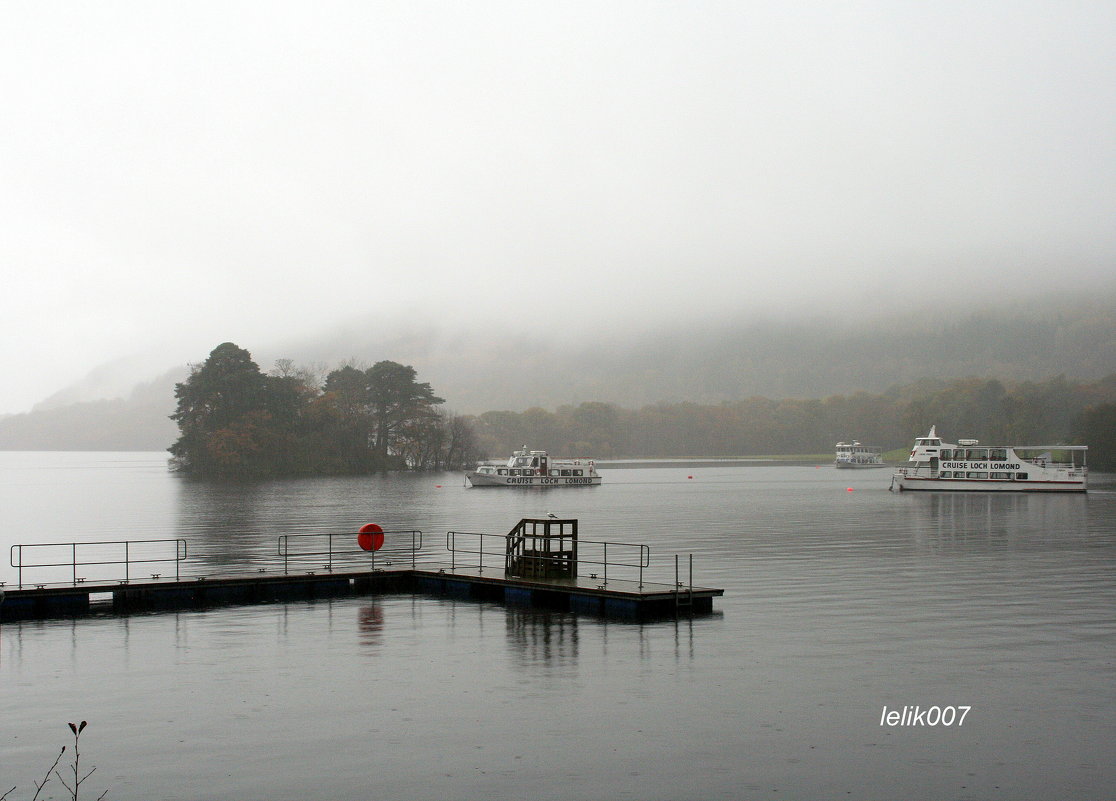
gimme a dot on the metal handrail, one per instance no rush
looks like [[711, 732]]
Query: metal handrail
[[353, 550], [74, 563], [644, 552]]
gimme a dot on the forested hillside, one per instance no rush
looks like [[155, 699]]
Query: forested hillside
[[747, 374], [1056, 411]]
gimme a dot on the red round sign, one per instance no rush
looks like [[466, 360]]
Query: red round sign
[[370, 537]]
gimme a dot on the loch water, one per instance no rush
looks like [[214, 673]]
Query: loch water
[[843, 601]]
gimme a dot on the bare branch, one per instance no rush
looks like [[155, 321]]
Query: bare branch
[[39, 786]]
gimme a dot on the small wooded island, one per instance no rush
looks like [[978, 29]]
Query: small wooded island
[[236, 421]]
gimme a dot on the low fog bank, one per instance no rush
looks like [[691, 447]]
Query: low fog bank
[[523, 361]]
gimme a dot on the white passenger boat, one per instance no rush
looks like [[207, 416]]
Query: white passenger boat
[[535, 469], [938, 465], [855, 456]]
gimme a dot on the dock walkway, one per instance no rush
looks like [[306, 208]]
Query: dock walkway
[[531, 568]]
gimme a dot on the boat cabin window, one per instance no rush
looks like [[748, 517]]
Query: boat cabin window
[[578, 472], [997, 454], [976, 455], [945, 474], [503, 471], [946, 454], [1020, 476], [977, 474], [1001, 476]]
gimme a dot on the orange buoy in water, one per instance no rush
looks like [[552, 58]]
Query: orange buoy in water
[[370, 537]]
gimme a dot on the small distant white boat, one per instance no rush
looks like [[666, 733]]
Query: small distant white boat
[[938, 465], [535, 469], [855, 456]]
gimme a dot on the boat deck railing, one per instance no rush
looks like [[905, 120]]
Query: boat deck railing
[[1069, 470]]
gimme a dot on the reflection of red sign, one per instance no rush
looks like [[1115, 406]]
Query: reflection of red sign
[[370, 621], [370, 537]]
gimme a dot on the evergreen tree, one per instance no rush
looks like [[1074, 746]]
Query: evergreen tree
[[221, 406], [396, 401]]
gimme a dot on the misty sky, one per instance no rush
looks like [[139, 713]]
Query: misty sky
[[174, 175]]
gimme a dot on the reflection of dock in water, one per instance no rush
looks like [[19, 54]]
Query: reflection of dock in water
[[541, 563]]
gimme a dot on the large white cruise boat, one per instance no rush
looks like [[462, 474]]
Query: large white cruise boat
[[967, 466], [535, 469]]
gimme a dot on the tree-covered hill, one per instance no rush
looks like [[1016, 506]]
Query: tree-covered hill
[[1051, 412], [717, 362]]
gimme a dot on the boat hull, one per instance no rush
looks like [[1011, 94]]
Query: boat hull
[[856, 466], [929, 484], [491, 480]]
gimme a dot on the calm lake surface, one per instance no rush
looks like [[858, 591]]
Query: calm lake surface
[[837, 603]]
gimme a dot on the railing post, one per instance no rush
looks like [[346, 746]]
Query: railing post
[[127, 559], [691, 583], [677, 583], [73, 558], [481, 563], [606, 563]]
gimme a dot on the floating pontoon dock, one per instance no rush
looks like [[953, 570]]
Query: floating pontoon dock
[[541, 562]]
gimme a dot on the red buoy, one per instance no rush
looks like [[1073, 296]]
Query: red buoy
[[370, 537]]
